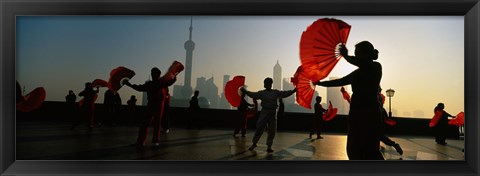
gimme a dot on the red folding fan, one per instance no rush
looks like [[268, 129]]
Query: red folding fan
[[435, 118], [319, 46], [305, 88], [32, 100], [99, 83], [345, 94], [331, 112], [173, 70], [117, 76], [232, 93], [459, 120]]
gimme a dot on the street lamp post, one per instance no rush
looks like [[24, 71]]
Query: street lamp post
[[390, 93]]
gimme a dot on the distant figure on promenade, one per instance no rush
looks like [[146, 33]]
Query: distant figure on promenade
[[383, 138], [112, 102], [154, 111], [87, 106], [364, 122], [241, 120], [132, 107], [280, 114], [194, 110], [317, 118], [166, 112], [72, 106], [268, 114], [441, 126]]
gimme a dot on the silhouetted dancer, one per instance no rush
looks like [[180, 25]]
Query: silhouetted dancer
[[280, 112], [317, 118], [166, 112], [154, 111], [364, 122], [194, 110], [241, 122], [72, 106], [112, 102], [87, 106], [383, 138], [442, 125], [132, 107], [268, 114]]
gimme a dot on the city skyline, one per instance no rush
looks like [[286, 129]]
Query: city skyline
[[87, 48]]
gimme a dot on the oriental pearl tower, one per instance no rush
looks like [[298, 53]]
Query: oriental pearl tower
[[189, 47]]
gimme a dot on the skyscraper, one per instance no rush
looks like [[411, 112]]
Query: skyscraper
[[277, 76], [189, 47]]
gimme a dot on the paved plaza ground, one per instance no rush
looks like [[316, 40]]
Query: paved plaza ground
[[56, 141]]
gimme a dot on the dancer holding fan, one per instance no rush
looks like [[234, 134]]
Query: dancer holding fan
[[364, 122], [236, 98]]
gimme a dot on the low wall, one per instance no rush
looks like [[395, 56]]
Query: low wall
[[224, 119]]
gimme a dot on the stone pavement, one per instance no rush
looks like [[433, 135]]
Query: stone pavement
[[55, 141]]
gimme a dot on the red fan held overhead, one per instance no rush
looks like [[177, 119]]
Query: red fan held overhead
[[117, 76], [173, 70], [319, 47], [32, 100], [459, 120], [232, 93], [305, 88], [99, 83]]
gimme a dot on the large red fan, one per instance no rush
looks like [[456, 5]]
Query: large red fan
[[435, 118], [173, 70], [32, 100], [319, 46], [305, 88], [99, 83], [459, 120], [231, 90], [117, 76], [331, 112]]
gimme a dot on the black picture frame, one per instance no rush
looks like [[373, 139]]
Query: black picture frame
[[470, 9]]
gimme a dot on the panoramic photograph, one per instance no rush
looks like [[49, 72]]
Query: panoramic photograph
[[240, 88]]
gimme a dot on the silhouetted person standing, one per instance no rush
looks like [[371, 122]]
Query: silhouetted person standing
[[194, 110], [280, 112], [154, 111], [241, 122], [112, 102], [88, 105], [72, 106], [132, 106], [317, 118], [442, 124], [364, 122], [268, 114]]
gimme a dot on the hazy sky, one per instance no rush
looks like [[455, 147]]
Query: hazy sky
[[422, 56]]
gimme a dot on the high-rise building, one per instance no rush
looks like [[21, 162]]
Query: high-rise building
[[189, 47], [335, 96], [208, 90], [277, 76], [223, 103], [288, 86]]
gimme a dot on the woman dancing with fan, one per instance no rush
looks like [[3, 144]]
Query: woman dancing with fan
[[155, 102], [364, 123], [268, 114]]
